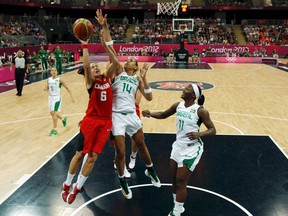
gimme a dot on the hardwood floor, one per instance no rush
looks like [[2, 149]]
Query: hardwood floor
[[248, 99]]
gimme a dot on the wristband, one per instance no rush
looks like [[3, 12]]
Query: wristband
[[109, 43], [85, 46], [149, 90]]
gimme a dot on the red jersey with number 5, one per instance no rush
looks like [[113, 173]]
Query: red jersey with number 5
[[100, 101]]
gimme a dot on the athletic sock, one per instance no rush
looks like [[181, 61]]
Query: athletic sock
[[81, 180], [69, 178]]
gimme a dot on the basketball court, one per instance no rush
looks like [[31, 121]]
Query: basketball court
[[243, 170]]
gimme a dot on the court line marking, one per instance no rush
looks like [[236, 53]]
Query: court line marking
[[229, 125], [266, 135], [251, 115], [39, 118], [32, 174], [220, 122], [77, 114], [164, 184]]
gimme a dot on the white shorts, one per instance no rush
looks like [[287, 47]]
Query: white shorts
[[54, 103], [188, 155], [123, 123]]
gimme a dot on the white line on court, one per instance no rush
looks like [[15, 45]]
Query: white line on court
[[229, 125], [48, 159], [36, 119], [251, 115], [163, 184]]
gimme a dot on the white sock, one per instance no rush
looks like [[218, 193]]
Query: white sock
[[150, 165], [178, 207], [134, 154], [81, 180], [69, 178], [174, 197], [83, 162]]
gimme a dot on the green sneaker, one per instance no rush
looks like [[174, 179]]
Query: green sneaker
[[154, 178], [126, 191], [64, 121], [53, 132]]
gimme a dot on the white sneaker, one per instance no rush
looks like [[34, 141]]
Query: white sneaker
[[176, 213], [126, 191], [127, 174], [154, 178], [132, 162]]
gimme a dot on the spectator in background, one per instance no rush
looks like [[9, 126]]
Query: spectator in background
[[275, 54], [263, 52], [255, 52]]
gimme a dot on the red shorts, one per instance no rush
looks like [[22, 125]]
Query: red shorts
[[96, 133]]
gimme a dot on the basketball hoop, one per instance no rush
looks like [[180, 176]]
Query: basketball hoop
[[169, 8]]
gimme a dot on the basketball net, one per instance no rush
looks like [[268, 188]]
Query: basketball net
[[169, 8]]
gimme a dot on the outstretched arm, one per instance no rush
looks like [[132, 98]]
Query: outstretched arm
[[86, 64], [144, 85], [102, 20], [113, 58], [162, 114]]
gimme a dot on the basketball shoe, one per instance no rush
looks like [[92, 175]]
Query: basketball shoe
[[127, 174], [175, 212], [153, 176], [53, 132], [65, 192], [132, 162], [126, 191], [64, 121], [72, 196]]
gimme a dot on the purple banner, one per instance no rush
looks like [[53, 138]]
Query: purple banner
[[124, 58], [134, 49], [237, 60], [7, 74]]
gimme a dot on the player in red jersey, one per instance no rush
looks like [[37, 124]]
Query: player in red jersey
[[96, 125]]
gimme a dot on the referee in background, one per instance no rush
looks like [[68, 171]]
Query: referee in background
[[20, 70]]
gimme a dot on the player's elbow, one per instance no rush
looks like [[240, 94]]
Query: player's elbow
[[213, 131], [149, 97]]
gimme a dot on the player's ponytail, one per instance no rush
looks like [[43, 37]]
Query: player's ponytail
[[198, 94], [201, 99], [81, 71]]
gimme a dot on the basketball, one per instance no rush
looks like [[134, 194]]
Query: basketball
[[82, 29]]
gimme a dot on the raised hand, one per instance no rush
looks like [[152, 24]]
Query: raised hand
[[102, 20], [144, 70]]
